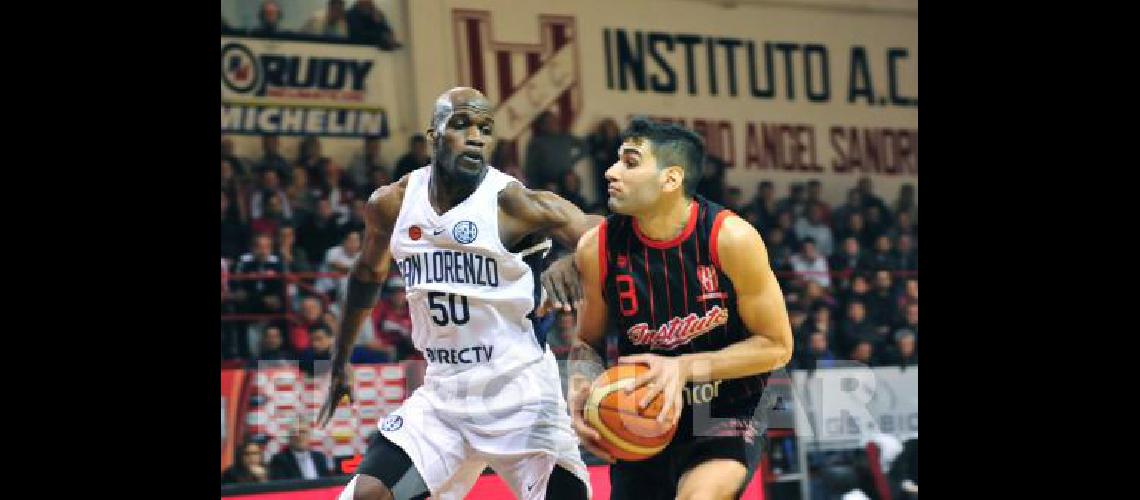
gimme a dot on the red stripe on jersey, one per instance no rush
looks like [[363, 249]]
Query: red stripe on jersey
[[713, 235], [603, 256], [668, 294], [684, 277], [649, 276]]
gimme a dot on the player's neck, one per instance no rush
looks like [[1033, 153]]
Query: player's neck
[[667, 221], [444, 194]]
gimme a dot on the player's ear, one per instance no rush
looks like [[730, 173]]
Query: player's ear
[[674, 178]]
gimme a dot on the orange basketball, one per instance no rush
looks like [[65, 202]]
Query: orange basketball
[[627, 432]]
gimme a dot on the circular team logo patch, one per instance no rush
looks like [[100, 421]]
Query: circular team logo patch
[[415, 232], [240, 71], [465, 231], [392, 423]]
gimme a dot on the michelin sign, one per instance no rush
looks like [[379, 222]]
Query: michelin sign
[[303, 88]]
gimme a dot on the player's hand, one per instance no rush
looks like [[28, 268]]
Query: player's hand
[[561, 283], [340, 388], [579, 389], [666, 377]]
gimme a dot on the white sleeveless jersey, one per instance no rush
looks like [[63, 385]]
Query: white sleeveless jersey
[[470, 298]]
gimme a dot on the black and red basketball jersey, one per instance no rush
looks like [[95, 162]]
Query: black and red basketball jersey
[[672, 297]]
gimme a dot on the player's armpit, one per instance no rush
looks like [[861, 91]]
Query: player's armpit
[[760, 303]]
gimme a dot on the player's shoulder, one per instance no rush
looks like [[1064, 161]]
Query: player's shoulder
[[386, 200], [531, 205]]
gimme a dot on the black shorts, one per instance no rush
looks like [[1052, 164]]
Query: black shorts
[[739, 439]]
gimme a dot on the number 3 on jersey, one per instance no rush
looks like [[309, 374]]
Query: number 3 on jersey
[[627, 295], [438, 307]]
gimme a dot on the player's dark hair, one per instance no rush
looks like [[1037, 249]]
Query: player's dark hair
[[672, 145]]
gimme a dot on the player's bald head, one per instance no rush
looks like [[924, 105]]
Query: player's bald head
[[457, 99]]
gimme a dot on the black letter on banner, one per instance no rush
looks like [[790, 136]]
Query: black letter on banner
[[671, 78], [897, 100], [359, 71], [688, 41], [274, 67], [609, 59], [821, 52], [787, 49], [626, 59], [332, 77], [769, 88], [711, 51], [730, 45], [860, 71]]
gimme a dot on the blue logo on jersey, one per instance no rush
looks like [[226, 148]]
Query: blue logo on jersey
[[465, 231], [392, 423]]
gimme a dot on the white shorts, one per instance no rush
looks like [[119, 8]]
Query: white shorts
[[515, 422]]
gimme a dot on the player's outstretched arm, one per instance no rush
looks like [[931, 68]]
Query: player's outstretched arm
[[364, 283], [760, 303], [585, 363], [529, 211]]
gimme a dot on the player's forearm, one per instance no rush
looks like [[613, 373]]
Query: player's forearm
[[584, 360], [747, 357], [364, 283]]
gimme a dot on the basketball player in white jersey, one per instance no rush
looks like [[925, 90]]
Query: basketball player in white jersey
[[466, 237]]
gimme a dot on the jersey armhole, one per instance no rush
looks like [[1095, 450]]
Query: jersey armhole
[[603, 257], [715, 234]]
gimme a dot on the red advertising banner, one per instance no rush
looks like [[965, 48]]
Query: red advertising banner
[[232, 381]]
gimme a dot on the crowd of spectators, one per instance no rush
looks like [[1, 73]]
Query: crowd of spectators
[[849, 273], [362, 23]]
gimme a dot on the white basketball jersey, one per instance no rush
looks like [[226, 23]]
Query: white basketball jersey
[[470, 298]]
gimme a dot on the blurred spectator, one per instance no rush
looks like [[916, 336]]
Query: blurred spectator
[[734, 199], [909, 296], [784, 221], [312, 316], [249, 465], [271, 218], [339, 259], [572, 190], [881, 305], [797, 317], [816, 296], [815, 197], [297, 461], [903, 352], [505, 157], [851, 258], [811, 264], [293, 256], [337, 189], [379, 179], [320, 232], [366, 24], [236, 188], [261, 295], [301, 198], [393, 321], [764, 204], [817, 354], [910, 318], [864, 352], [270, 188], [857, 228], [711, 185], [814, 226], [268, 19], [240, 168], [417, 156], [272, 346], [234, 234], [309, 157], [868, 195], [905, 202], [315, 360], [841, 216], [603, 143], [876, 222], [820, 321], [795, 202], [883, 257], [271, 159], [906, 258], [904, 225], [329, 22], [362, 166], [355, 217], [855, 327], [552, 151]]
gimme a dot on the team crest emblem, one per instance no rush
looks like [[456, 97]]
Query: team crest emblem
[[392, 423], [707, 276], [415, 232], [465, 231], [622, 261]]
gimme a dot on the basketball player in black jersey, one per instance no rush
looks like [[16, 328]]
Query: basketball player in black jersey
[[689, 288]]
